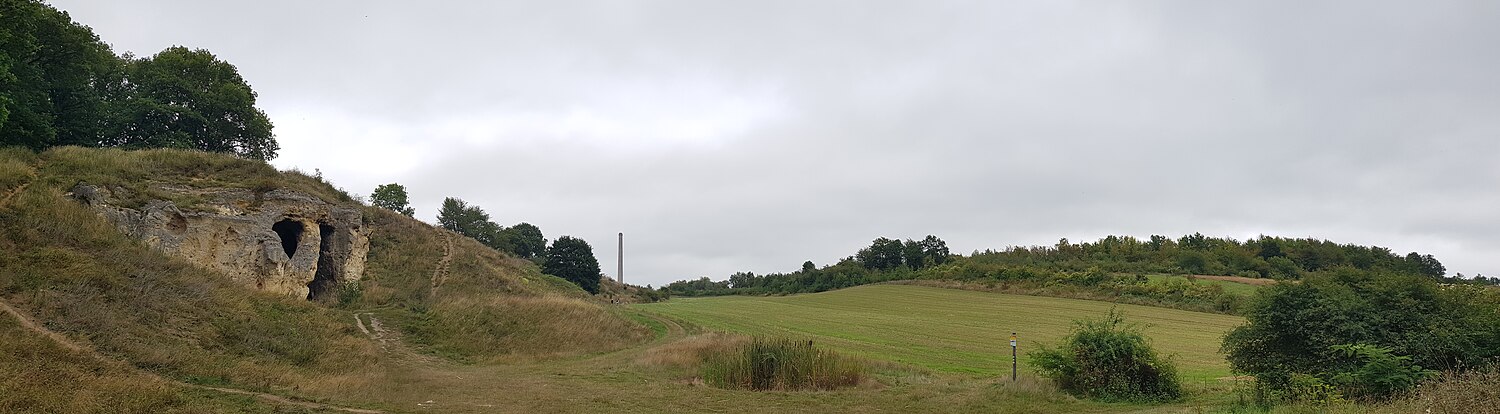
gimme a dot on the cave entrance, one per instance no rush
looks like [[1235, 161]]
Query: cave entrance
[[325, 279], [291, 233]]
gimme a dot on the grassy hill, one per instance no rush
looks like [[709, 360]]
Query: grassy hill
[[483, 305], [138, 313]]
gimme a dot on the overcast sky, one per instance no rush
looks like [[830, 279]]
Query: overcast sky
[[753, 135]]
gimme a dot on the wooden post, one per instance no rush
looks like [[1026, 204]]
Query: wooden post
[[1012, 356]]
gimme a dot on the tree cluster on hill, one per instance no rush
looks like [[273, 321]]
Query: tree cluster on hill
[[1112, 267], [887, 254], [523, 239], [61, 85], [1263, 257], [569, 258]]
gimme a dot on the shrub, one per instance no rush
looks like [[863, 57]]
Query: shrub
[[1307, 328], [1108, 360], [349, 293], [1375, 372], [782, 364]]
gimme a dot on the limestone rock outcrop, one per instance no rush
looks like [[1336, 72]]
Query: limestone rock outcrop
[[280, 241]]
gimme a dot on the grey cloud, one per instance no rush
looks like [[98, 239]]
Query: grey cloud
[[986, 123]]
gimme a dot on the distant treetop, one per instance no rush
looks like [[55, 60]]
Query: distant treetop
[[61, 85]]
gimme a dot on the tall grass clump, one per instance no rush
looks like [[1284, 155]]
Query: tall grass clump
[[1110, 360], [15, 168], [782, 364], [1473, 392]]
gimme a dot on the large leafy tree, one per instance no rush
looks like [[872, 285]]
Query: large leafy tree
[[186, 98], [61, 85], [392, 197], [883, 254], [468, 220], [573, 260], [56, 77], [1426, 265], [526, 240], [911, 254], [934, 250]]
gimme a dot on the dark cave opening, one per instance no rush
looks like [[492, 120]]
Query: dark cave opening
[[291, 233], [326, 277]]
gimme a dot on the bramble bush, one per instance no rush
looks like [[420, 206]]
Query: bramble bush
[[1109, 360]]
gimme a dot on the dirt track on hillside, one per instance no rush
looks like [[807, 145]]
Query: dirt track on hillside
[[440, 274]]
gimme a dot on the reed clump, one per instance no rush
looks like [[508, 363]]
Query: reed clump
[[782, 364]]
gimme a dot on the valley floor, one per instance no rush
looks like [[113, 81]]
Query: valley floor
[[942, 351], [619, 381]]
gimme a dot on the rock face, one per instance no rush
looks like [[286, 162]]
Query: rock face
[[280, 241]]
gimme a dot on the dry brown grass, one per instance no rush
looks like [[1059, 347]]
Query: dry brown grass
[[140, 173], [39, 375], [1466, 393], [403, 253], [509, 328], [478, 270], [491, 306], [13, 173], [689, 352]]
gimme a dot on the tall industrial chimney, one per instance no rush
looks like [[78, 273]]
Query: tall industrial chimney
[[620, 272]]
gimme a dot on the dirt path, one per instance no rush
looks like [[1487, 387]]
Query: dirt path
[[361, 325], [440, 274], [30, 325], [391, 343], [674, 329], [284, 400]]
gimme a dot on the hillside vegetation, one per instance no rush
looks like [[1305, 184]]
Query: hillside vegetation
[[1115, 268], [76, 274], [485, 304]]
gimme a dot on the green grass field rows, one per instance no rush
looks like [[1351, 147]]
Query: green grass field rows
[[949, 330]]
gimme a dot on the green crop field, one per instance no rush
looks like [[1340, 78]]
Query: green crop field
[[949, 330]]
